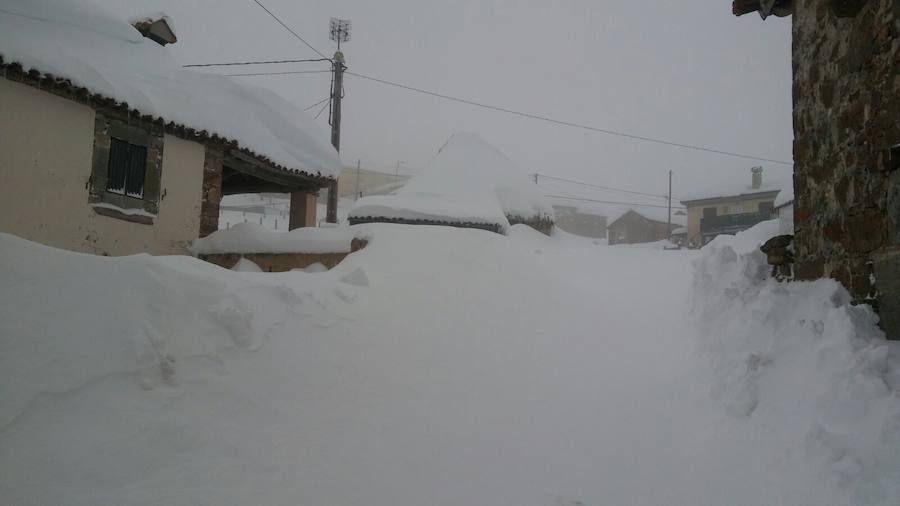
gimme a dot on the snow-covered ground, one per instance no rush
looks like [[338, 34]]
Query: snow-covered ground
[[442, 366], [271, 210]]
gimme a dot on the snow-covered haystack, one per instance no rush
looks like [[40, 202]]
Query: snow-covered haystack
[[801, 363], [469, 183]]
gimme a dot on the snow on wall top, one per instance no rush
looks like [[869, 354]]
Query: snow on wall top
[[246, 238], [95, 49], [468, 180]]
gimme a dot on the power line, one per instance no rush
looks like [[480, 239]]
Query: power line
[[286, 27], [568, 123], [318, 103], [611, 202], [228, 64], [278, 73], [322, 110], [601, 187]]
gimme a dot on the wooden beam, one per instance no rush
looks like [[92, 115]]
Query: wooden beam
[[241, 162], [741, 7], [253, 186]]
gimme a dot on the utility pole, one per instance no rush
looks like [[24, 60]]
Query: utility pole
[[340, 32], [669, 233], [535, 178], [358, 163]]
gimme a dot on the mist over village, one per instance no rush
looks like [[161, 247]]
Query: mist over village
[[276, 252]]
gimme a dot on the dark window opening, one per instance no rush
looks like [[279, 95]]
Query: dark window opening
[[127, 165], [766, 208], [709, 212]]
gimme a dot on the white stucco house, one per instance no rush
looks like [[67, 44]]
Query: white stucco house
[[109, 146]]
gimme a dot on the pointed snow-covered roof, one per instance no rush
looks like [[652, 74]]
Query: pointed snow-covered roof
[[90, 47], [468, 181]]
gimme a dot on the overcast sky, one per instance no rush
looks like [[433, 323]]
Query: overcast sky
[[685, 71]]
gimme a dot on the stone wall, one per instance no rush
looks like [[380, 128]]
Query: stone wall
[[283, 262], [212, 192], [846, 56]]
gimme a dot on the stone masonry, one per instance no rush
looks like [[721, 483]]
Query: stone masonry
[[846, 58], [212, 192]]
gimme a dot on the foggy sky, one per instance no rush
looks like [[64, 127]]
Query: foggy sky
[[685, 71]]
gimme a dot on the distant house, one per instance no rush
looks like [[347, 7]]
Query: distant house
[[468, 184], [108, 146], [634, 227], [731, 209], [579, 221]]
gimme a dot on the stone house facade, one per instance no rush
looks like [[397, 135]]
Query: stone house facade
[[846, 114]]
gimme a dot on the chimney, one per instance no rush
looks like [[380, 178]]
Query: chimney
[[756, 174], [158, 30]]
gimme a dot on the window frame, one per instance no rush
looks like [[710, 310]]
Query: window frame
[[148, 136]]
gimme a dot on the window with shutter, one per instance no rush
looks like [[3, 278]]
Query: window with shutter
[[126, 173], [127, 164]]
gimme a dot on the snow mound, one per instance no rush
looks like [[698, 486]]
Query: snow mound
[[468, 181], [140, 316], [94, 48], [802, 365], [248, 238]]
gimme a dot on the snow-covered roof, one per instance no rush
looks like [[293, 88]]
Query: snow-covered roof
[[467, 181], [732, 189], [659, 214], [93, 48], [786, 195]]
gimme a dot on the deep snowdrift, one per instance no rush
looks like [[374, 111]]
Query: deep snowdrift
[[802, 366], [441, 366]]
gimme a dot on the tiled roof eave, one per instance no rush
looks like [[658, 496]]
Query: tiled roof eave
[[64, 88]]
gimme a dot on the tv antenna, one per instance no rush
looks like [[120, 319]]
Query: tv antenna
[[340, 31]]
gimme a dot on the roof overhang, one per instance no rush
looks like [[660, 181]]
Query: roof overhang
[[765, 8], [265, 168]]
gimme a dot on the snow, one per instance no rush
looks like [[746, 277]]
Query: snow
[[123, 210], [467, 181], [786, 195], [252, 238], [785, 215], [807, 371], [432, 206], [443, 366], [271, 210], [732, 189], [99, 50]]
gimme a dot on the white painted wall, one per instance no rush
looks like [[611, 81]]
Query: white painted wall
[[46, 146]]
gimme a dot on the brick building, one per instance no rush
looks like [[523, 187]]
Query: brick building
[[846, 89]]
